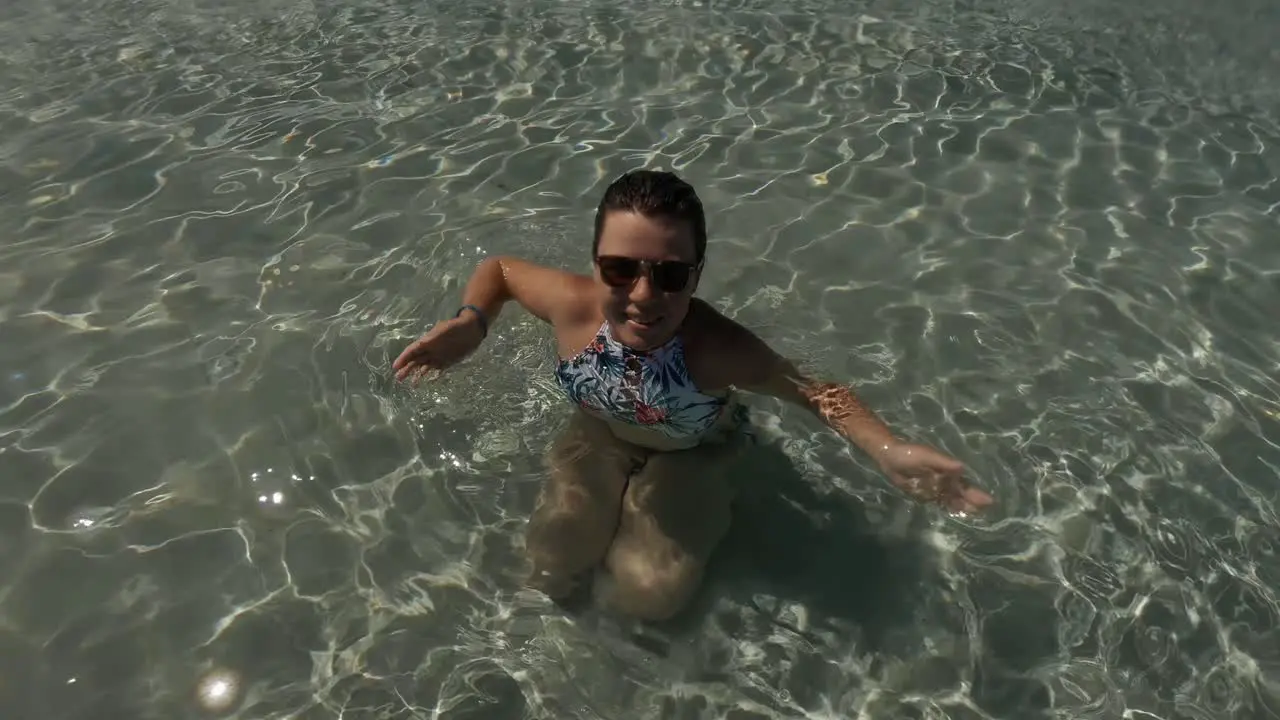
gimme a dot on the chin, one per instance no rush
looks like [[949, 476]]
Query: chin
[[642, 337]]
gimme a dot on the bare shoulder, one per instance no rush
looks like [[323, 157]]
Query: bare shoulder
[[557, 296], [708, 326], [584, 303], [724, 353]]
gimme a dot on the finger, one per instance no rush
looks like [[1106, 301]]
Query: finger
[[947, 465], [977, 498], [428, 373], [966, 499], [406, 355], [424, 357], [413, 351], [410, 367], [414, 369], [922, 489]]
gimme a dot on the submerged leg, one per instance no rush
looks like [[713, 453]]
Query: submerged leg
[[578, 509], [675, 511]]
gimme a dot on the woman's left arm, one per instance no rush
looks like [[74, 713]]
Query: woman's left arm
[[747, 362]]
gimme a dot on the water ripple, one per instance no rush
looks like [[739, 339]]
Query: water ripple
[[1036, 236]]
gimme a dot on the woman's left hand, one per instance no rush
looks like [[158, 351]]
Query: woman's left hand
[[931, 476]]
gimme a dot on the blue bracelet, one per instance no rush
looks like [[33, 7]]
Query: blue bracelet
[[484, 322]]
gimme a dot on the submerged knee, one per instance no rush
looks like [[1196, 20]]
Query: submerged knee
[[654, 591], [561, 547]]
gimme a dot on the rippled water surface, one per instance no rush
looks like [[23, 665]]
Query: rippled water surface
[[1043, 236]]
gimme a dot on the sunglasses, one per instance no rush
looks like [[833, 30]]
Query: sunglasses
[[669, 276]]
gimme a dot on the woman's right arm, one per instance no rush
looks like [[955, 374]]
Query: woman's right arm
[[551, 295], [554, 296]]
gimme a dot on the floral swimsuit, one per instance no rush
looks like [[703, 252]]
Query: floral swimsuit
[[650, 389]]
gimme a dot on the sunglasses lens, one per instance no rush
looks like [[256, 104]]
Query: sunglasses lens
[[671, 277], [623, 271], [618, 271]]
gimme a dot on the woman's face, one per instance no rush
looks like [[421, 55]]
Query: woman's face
[[646, 270]]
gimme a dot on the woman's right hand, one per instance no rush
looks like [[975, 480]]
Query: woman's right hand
[[444, 345]]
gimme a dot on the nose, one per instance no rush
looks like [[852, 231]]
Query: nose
[[642, 291]]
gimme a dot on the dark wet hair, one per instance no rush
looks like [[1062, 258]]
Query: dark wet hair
[[654, 194]]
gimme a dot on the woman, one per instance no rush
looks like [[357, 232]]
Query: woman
[[639, 479]]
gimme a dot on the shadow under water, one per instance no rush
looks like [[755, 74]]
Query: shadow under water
[[789, 541], [834, 583]]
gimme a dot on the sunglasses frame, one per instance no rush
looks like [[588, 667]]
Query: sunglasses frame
[[651, 269]]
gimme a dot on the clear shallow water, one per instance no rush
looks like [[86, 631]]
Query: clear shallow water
[[1042, 238]]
